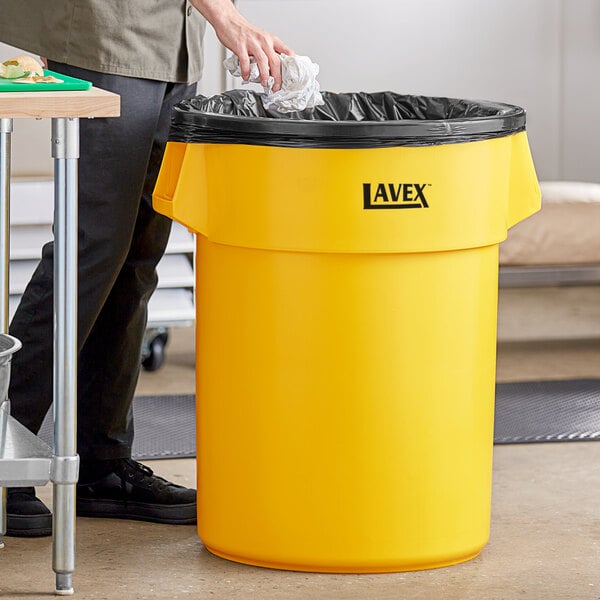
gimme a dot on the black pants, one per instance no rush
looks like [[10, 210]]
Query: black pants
[[121, 240]]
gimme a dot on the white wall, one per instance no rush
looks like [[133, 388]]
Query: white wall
[[580, 90], [540, 54]]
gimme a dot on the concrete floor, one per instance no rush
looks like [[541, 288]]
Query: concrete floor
[[545, 540]]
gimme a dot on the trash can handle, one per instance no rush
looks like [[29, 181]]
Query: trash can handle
[[524, 197], [172, 193]]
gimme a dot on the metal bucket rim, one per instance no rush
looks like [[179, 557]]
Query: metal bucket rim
[[14, 347]]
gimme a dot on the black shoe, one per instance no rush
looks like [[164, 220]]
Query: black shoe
[[130, 490], [26, 515]]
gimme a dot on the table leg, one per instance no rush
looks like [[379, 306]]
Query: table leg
[[65, 151], [6, 128]]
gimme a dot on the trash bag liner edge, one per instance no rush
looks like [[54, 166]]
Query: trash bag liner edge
[[358, 120]]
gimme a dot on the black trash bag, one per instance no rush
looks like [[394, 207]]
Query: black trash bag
[[351, 120]]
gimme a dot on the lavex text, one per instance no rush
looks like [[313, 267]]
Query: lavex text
[[394, 195]]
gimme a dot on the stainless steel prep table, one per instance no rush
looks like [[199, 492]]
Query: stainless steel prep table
[[24, 459]]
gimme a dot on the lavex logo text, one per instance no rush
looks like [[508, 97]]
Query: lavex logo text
[[395, 195]]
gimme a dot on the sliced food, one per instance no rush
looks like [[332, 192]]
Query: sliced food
[[11, 71], [27, 63], [38, 79]]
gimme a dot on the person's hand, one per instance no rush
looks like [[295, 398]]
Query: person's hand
[[245, 40]]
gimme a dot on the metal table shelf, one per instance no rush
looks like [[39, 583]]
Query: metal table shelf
[[24, 459]]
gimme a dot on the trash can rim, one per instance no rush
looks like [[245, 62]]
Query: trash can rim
[[425, 128], [193, 122]]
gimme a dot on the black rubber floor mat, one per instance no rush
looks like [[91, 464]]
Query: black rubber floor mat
[[165, 427], [547, 411], [526, 412]]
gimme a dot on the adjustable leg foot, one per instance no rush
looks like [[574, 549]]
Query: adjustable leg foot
[[2, 515], [64, 584]]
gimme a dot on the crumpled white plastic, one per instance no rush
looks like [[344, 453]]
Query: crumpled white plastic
[[299, 86]]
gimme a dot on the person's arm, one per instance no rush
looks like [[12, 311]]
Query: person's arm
[[244, 39]]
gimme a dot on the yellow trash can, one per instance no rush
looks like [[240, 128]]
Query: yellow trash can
[[346, 272]]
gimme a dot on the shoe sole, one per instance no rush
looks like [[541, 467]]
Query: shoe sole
[[176, 514], [28, 525]]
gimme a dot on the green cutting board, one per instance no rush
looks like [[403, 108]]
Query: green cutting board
[[69, 83]]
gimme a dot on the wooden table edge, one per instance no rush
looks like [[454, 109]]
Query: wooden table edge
[[94, 102]]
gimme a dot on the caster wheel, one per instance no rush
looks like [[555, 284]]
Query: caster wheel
[[156, 354]]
